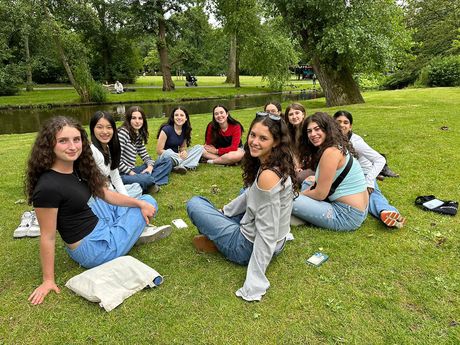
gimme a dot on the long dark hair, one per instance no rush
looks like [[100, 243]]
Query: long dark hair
[[186, 127], [280, 158], [113, 156], [348, 116], [294, 132], [311, 154], [42, 157], [215, 128], [143, 132]]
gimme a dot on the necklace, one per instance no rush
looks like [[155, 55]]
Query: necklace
[[75, 173]]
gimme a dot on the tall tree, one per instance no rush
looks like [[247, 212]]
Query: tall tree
[[345, 37], [239, 19], [435, 24], [270, 52], [76, 66], [153, 16], [195, 45]]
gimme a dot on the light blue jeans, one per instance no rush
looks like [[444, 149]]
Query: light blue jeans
[[115, 234], [378, 202], [191, 162], [329, 215], [222, 230], [159, 175]]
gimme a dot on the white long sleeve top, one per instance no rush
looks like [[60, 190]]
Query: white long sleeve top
[[370, 160], [113, 175], [266, 222]]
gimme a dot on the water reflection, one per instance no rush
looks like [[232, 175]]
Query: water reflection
[[29, 120]]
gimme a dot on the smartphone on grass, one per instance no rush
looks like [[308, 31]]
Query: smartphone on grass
[[317, 259], [432, 204], [179, 223]]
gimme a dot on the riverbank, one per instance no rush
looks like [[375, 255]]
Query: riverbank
[[378, 287], [146, 89]]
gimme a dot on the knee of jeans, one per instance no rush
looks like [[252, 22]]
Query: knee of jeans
[[195, 203], [192, 203], [150, 200]]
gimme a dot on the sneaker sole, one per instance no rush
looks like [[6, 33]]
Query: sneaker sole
[[180, 171], [392, 219], [161, 232], [20, 233]]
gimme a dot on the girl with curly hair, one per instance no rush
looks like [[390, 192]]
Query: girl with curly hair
[[223, 138], [252, 228], [174, 139], [338, 200], [60, 179], [133, 135]]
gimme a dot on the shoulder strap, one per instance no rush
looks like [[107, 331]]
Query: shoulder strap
[[341, 177]]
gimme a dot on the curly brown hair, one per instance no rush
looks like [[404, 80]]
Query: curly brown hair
[[42, 157], [310, 154], [280, 158]]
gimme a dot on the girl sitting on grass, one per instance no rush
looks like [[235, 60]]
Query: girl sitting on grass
[[328, 153], [372, 163], [60, 178], [223, 138], [133, 135], [106, 152], [252, 228], [294, 115], [174, 138]]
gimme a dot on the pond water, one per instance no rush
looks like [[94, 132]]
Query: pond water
[[29, 120]]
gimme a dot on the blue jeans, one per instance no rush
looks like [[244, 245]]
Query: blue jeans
[[222, 230], [115, 234], [159, 175], [378, 202], [329, 215], [192, 160]]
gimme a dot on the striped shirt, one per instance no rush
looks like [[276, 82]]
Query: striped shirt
[[130, 150]]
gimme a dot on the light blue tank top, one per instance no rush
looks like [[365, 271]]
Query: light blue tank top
[[353, 183]]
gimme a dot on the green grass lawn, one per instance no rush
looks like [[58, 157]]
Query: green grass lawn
[[209, 87], [378, 286]]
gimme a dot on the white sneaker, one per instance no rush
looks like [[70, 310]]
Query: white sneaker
[[26, 221], [152, 233], [34, 229]]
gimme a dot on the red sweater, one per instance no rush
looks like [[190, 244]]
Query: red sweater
[[226, 141]]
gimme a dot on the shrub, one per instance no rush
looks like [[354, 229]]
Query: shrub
[[369, 81], [10, 79], [89, 89], [400, 79], [442, 71]]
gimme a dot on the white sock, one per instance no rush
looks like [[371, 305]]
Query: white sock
[[210, 161]]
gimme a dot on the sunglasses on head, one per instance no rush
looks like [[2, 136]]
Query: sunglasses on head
[[270, 115]]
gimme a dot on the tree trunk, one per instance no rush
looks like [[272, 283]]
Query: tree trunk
[[168, 84], [29, 83], [237, 65], [231, 72], [105, 45], [83, 93], [339, 86]]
